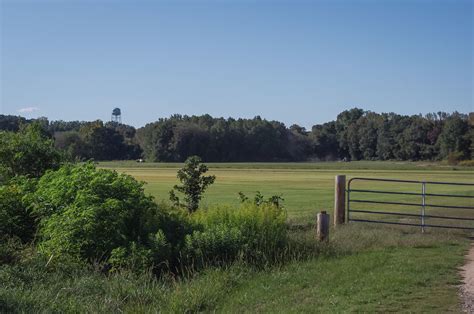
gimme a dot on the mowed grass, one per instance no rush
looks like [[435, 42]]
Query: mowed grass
[[309, 187], [400, 279]]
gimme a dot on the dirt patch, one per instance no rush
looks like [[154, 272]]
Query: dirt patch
[[467, 288]]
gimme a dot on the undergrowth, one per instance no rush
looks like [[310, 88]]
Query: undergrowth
[[34, 283]]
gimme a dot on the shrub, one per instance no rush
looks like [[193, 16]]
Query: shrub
[[253, 232], [217, 243], [276, 200], [93, 214], [467, 163], [15, 216], [455, 157], [135, 257]]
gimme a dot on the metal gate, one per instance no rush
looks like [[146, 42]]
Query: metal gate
[[417, 214]]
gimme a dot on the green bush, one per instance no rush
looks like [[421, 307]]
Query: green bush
[[135, 257], [93, 214], [252, 232], [15, 216], [217, 243]]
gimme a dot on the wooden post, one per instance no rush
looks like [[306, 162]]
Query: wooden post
[[322, 226], [340, 200]]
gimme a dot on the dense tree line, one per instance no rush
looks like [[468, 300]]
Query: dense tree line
[[219, 139], [84, 140], [355, 135]]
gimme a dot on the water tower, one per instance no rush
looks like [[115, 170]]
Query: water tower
[[116, 115]]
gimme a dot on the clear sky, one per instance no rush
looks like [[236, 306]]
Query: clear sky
[[293, 61]]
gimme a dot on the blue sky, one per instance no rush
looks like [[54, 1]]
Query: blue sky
[[294, 61]]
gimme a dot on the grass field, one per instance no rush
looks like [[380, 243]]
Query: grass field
[[309, 187], [364, 267], [401, 270]]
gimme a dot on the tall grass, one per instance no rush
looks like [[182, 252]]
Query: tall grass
[[34, 285]]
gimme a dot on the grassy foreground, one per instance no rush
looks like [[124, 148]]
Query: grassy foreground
[[361, 269]]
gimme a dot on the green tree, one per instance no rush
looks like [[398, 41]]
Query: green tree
[[324, 141], [455, 136], [346, 132], [194, 183], [29, 152], [368, 126]]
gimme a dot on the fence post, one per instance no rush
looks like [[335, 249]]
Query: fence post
[[340, 200], [423, 205], [322, 226]]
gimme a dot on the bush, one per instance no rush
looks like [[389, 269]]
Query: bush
[[455, 157], [252, 232], [94, 214], [135, 257], [467, 163], [10, 248], [15, 217]]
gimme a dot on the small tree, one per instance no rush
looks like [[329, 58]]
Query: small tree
[[194, 183]]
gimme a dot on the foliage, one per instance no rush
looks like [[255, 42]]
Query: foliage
[[275, 200], [87, 212], [94, 140], [467, 163], [386, 279], [194, 183], [134, 257], [11, 123], [455, 157], [355, 134], [217, 139], [10, 249], [16, 218], [29, 152], [252, 232], [455, 137]]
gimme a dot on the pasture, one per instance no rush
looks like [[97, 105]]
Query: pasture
[[309, 187]]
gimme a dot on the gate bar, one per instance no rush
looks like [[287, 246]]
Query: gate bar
[[363, 211]]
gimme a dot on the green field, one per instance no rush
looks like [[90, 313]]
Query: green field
[[389, 269], [363, 268], [309, 187]]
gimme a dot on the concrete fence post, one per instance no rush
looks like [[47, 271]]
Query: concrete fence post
[[340, 200]]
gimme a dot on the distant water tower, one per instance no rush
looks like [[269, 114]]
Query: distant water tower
[[116, 115]]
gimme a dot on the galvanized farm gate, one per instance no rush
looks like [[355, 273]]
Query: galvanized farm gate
[[422, 205]]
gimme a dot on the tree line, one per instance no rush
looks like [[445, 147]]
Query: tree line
[[356, 134]]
